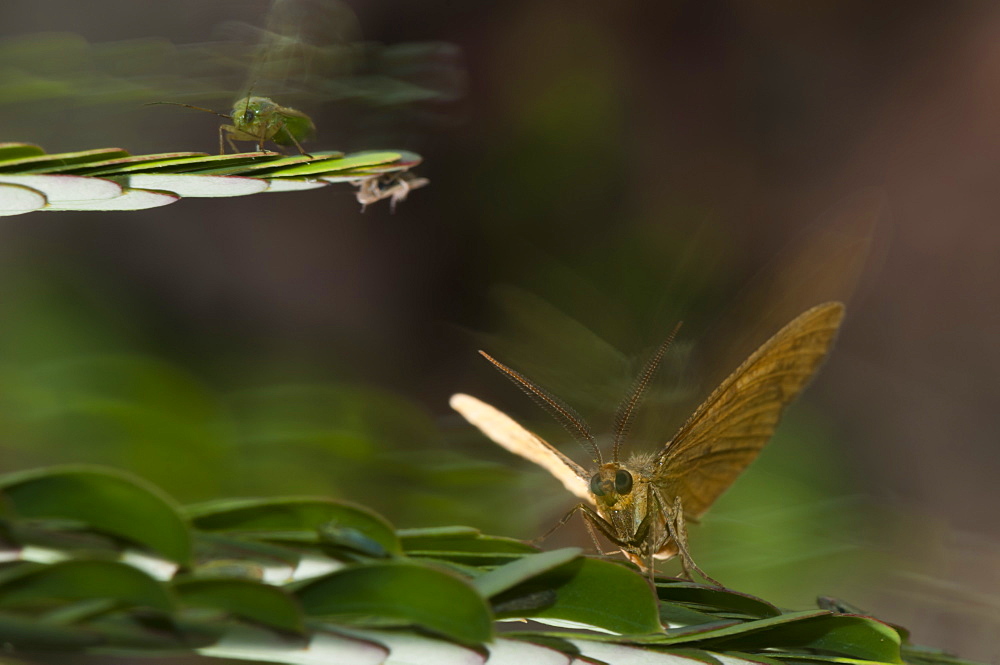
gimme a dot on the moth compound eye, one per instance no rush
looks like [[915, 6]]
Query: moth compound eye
[[595, 485], [623, 482], [249, 116]]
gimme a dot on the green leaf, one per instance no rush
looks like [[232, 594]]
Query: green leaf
[[27, 632], [106, 500], [597, 593], [459, 539], [59, 162], [83, 580], [332, 165], [263, 603], [509, 575], [405, 591], [293, 514], [12, 151], [841, 635], [713, 599]]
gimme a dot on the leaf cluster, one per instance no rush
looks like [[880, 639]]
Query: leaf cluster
[[112, 179], [97, 560]]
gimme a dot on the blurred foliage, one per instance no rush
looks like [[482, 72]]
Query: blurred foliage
[[308, 54], [102, 562], [625, 167]]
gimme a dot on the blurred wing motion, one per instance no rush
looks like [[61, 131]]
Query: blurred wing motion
[[503, 430], [311, 51], [729, 429]]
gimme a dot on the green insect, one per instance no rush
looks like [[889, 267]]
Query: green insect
[[259, 119]]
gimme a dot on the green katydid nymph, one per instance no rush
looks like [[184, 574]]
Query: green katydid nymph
[[259, 119]]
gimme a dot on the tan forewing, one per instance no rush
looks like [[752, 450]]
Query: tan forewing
[[729, 429], [502, 429]]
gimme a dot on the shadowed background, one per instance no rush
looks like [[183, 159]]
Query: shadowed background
[[610, 169]]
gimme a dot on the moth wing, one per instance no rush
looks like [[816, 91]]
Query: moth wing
[[502, 429], [728, 430]]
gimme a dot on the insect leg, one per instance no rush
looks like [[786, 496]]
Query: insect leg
[[677, 529], [674, 518], [229, 131], [295, 141], [566, 518]]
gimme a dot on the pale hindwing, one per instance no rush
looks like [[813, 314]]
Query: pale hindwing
[[499, 427], [729, 429]]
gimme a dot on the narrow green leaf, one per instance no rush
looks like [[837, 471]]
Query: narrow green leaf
[[126, 164], [333, 165], [290, 514], [262, 603], [413, 535], [82, 580], [841, 635], [465, 542], [27, 632], [106, 500], [713, 599], [59, 162], [401, 590], [12, 151]]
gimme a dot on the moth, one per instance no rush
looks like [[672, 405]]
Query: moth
[[641, 505]]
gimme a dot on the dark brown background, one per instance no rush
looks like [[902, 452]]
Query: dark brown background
[[629, 166]]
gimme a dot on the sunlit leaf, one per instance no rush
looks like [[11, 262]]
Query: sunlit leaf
[[83, 580], [407, 592], [262, 603], [105, 500]]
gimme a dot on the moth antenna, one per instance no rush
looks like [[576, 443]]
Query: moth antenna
[[188, 106], [626, 410], [566, 416]]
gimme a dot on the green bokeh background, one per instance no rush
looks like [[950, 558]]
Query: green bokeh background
[[611, 168]]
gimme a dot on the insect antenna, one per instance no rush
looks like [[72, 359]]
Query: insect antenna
[[188, 106], [566, 416], [626, 410]]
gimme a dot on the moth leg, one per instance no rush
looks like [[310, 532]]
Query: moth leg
[[593, 536], [565, 517], [677, 531], [587, 520]]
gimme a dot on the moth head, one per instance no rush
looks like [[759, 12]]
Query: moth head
[[610, 483]]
